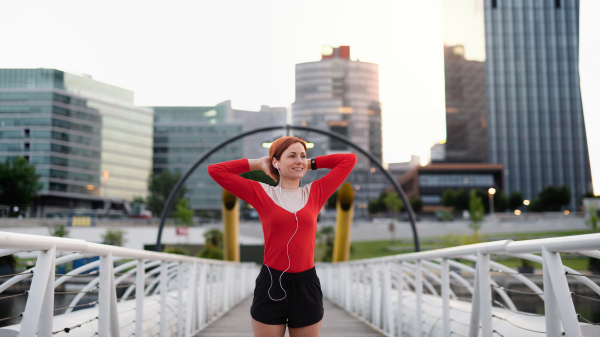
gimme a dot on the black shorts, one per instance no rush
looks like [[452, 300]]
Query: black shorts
[[302, 306]]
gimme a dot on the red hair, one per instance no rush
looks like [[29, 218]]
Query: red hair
[[279, 146]]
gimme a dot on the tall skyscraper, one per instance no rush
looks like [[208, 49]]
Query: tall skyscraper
[[466, 124], [464, 70], [535, 115], [340, 95], [77, 132]]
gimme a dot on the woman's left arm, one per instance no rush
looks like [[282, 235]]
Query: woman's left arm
[[341, 165]]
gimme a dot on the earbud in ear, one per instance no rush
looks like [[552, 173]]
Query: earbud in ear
[[277, 167]]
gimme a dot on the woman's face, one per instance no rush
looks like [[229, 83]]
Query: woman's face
[[292, 164]]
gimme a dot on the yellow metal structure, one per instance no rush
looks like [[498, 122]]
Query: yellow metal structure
[[231, 230], [345, 214]]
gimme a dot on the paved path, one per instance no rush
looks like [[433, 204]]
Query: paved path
[[336, 323]]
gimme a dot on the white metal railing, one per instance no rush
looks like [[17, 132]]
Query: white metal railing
[[165, 294], [388, 293]]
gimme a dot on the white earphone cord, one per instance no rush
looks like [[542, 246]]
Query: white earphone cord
[[287, 250]]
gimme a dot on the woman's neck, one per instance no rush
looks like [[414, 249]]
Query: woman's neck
[[289, 184]]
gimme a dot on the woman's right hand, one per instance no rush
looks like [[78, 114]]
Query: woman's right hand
[[263, 164]]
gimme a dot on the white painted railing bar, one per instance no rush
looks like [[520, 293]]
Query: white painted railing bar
[[173, 295], [377, 290]]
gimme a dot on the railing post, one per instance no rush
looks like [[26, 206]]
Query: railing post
[[348, 288], [139, 297], [419, 299], [374, 296], [104, 292], [552, 315], [115, 328], [226, 284], [329, 281], [400, 311], [180, 299], [560, 290], [387, 299], [201, 295], [163, 299], [485, 293], [445, 297], [475, 312], [37, 307], [47, 314], [191, 305]]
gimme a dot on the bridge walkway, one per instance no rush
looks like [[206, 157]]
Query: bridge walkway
[[336, 323]]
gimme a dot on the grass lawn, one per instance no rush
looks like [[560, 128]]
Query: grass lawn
[[370, 249]]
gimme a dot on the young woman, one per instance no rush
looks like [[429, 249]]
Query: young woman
[[287, 289]]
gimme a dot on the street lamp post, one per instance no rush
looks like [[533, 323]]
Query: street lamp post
[[491, 193]]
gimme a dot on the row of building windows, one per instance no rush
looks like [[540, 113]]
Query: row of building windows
[[456, 180]]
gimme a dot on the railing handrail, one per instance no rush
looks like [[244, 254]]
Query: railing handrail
[[567, 244], [27, 242]]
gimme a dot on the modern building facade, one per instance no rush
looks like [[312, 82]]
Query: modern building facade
[[464, 72], [429, 182], [466, 120], [88, 141], [342, 96], [535, 116], [266, 116], [182, 134]]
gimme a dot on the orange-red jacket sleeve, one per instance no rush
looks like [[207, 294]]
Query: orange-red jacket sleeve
[[227, 173], [341, 165]]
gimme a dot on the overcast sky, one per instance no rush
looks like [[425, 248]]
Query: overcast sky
[[205, 52]]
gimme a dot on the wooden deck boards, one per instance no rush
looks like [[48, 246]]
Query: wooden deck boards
[[336, 323]]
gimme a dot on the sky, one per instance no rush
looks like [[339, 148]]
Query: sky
[[206, 52]]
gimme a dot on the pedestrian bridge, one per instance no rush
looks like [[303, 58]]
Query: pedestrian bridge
[[446, 292]]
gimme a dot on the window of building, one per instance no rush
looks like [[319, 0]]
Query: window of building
[[456, 180], [431, 199]]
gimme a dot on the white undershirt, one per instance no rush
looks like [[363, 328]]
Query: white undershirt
[[290, 200]]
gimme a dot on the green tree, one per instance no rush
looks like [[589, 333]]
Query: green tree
[[159, 187], [392, 202], [592, 221], [551, 199], [213, 245], [325, 237], [331, 202], [260, 176], [114, 237], [515, 200], [138, 200], [475, 211], [18, 184], [459, 200], [448, 198], [59, 231], [183, 214], [176, 250], [500, 201], [416, 203]]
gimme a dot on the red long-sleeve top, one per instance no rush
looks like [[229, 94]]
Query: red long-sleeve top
[[279, 224]]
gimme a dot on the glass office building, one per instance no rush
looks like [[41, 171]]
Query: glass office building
[[182, 134], [74, 128], [464, 73], [535, 115], [342, 96]]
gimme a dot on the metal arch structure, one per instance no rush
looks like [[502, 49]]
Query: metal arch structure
[[205, 155]]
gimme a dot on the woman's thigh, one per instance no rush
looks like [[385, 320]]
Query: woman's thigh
[[307, 331], [267, 330]]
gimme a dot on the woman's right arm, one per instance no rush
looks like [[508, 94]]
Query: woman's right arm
[[227, 173]]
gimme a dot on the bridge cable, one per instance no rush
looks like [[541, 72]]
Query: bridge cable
[[517, 291], [66, 330], [516, 326], [9, 296]]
